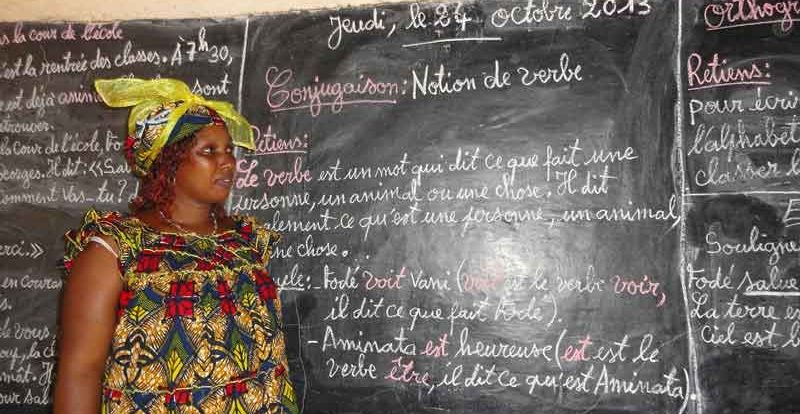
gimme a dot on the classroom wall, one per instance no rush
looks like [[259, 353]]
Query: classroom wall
[[594, 213], [85, 10]]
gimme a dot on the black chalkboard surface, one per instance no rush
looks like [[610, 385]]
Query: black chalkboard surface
[[493, 206]]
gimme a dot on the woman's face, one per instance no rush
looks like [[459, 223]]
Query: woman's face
[[206, 174]]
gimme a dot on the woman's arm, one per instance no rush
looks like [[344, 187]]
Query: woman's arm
[[87, 321]]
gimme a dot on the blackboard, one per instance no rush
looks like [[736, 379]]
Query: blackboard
[[492, 206]]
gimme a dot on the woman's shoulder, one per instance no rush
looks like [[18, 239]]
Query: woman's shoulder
[[110, 223], [111, 226], [95, 216]]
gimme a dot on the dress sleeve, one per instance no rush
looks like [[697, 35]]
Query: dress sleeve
[[96, 224]]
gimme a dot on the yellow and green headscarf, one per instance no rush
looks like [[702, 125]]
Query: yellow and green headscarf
[[165, 111]]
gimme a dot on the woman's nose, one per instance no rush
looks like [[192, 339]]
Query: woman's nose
[[228, 161]]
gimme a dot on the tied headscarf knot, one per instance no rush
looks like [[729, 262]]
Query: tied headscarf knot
[[158, 106]]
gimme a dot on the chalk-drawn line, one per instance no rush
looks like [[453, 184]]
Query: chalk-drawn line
[[357, 102], [771, 293], [300, 352], [684, 243], [456, 39], [558, 348], [686, 397], [755, 192], [255, 154], [237, 151], [720, 85], [732, 26]]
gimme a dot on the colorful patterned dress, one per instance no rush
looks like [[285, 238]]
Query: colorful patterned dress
[[199, 320]]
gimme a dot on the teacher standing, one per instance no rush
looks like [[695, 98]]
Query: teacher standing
[[169, 308]]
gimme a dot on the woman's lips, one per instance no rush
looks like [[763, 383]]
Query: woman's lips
[[224, 182]]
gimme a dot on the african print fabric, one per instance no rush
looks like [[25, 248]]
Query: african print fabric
[[199, 320]]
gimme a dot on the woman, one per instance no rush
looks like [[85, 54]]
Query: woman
[[170, 309]]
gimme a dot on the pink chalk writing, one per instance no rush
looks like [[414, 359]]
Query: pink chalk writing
[[403, 371], [282, 96], [248, 178], [102, 31], [90, 32], [385, 282], [269, 143], [482, 283], [739, 13], [577, 353], [717, 73], [643, 287], [297, 175], [436, 348]]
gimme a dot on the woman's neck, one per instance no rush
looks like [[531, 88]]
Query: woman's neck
[[190, 218], [190, 214]]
